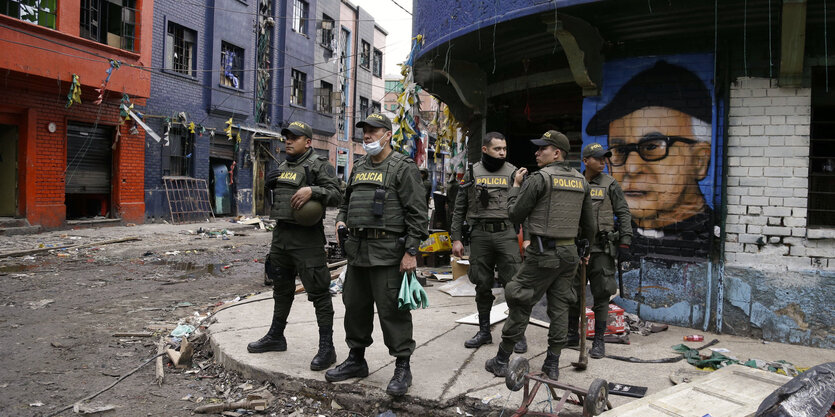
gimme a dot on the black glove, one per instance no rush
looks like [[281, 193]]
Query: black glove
[[624, 253]]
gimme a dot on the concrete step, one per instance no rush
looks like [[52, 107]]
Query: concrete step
[[19, 230]]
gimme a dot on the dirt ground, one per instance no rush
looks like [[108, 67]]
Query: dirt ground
[[60, 309]]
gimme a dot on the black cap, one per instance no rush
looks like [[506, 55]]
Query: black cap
[[596, 150], [663, 85], [299, 129], [552, 137], [375, 120]]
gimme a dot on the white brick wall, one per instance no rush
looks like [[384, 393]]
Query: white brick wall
[[768, 166]]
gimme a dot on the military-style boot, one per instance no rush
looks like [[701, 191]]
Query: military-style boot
[[354, 366], [273, 341], [268, 279], [326, 356], [521, 346], [483, 337], [402, 379], [551, 366], [598, 346], [498, 365], [573, 339]]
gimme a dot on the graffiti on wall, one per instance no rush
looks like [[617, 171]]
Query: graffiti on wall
[[657, 116]]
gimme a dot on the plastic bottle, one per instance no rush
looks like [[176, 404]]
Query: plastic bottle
[[694, 338]]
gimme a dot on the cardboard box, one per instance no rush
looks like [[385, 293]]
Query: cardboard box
[[614, 322], [437, 242], [459, 269]]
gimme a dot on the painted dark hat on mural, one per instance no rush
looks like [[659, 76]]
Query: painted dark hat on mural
[[299, 129], [375, 120], [663, 85]]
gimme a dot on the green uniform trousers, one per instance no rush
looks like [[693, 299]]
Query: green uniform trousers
[[488, 250], [366, 286], [311, 266], [600, 273], [551, 274]]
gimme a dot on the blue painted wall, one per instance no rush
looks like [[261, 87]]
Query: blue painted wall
[[201, 97], [441, 20]]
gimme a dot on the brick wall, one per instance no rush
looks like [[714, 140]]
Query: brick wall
[[768, 177], [44, 158]]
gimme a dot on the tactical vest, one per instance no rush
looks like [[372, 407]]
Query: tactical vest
[[557, 213], [364, 182], [497, 184], [602, 204], [291, 177]]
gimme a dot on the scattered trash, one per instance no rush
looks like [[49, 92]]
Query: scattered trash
[[335, 405], [184, 304], [182, 330], [460, 287], [627, 390], [36, 404], [80, 408], [486, 400], [388, 413], [34, 305], [252, 402], [720, 350], [694, 338], [809, 394]]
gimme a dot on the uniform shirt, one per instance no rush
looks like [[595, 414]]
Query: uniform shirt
[[325, 189], [522, 200], [620, 207], [409, 188]]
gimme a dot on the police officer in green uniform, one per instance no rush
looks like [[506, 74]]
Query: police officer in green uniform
[[301, 187], [556, 202], [385, 212], [493, 238], [608, 201]]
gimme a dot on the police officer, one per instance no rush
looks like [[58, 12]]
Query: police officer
[[607, 201], [301, 186], [385, 212], [555, 202], [493, 238]]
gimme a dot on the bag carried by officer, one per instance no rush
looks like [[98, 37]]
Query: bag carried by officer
[[412, 296]]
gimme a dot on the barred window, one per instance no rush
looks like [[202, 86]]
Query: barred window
[[363, 108], [378, 63], [39, 12], [326, 32], [376, 107], [365, 55], [324, 97], [297, 92], [111, 22], [180, 50], [300, 16], [232, 65], [821, 204]]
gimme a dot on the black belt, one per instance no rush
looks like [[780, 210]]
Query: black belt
[[552, 243], [492, 227], [375, 234]]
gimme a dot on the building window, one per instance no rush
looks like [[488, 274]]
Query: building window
[[376, 107], [377, 67], [821, 204], [363, 108], [300, 16], [232, 64], [365, 55], [112, 22], [297, 92], [326, 32], [39, 12], [181, 146], [323, 97], [179, 49]]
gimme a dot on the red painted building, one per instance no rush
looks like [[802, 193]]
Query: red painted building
[[60, 163]]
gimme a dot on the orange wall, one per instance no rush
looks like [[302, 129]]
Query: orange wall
[[57, 54]]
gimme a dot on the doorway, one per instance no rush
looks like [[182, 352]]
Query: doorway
[[89, 168], [8, 171]]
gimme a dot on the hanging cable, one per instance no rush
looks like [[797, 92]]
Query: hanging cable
[[825, 49]]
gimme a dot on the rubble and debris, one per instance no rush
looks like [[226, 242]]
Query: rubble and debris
[[34, 305], [80, 408]]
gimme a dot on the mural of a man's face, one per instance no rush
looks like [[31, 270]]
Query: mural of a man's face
[[658, 158]]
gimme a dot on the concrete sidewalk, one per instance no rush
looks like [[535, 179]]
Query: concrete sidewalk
[[445, 374]]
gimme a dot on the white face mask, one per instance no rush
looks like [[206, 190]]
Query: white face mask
[[375, 147]]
